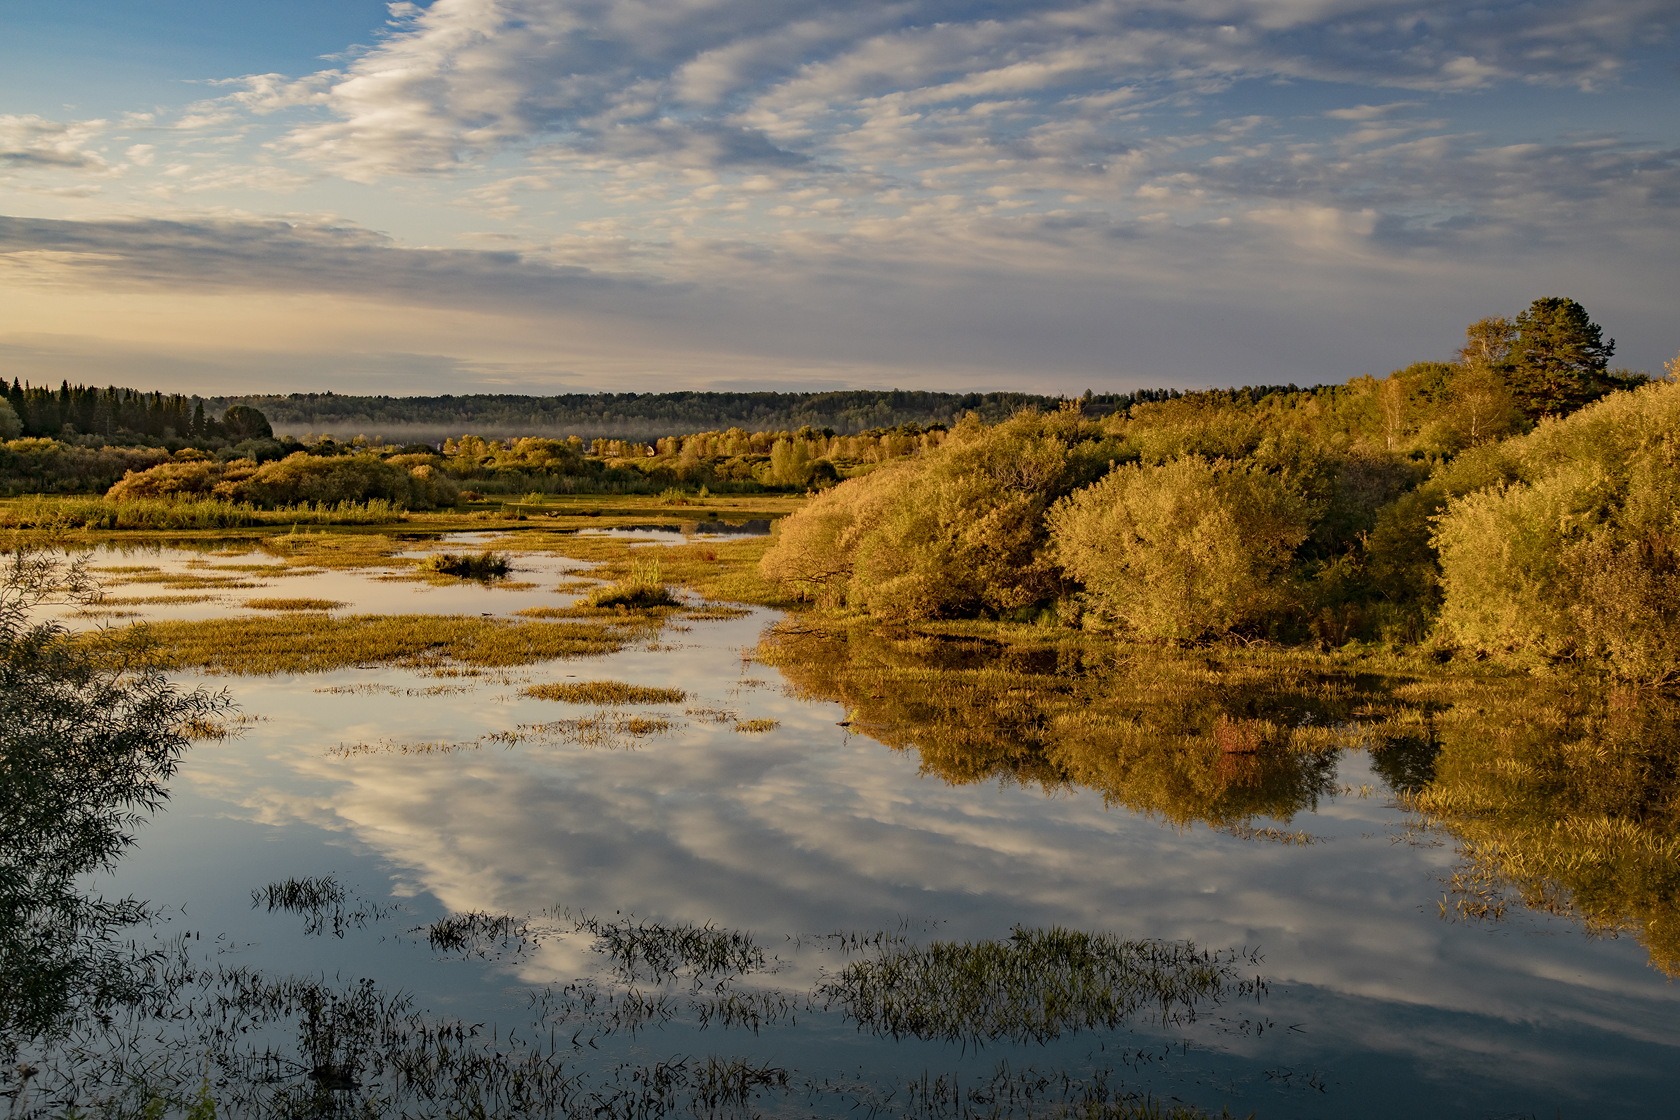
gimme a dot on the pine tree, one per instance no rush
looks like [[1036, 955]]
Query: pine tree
[[1559, 360]]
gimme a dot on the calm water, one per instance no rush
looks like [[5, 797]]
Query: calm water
[[1376, 1006]]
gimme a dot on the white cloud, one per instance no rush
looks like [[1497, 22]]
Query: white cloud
[[35, 142]]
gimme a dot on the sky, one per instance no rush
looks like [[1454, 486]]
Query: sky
[[543, 196]]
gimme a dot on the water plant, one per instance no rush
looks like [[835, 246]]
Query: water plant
[[484, 566], [659, 951], [1035, 985], [307, 642], [292, 604], [604, 692], [639, 590]]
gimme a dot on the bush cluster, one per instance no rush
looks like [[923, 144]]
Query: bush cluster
[[1423, 506]]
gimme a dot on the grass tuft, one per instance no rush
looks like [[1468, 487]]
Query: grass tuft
[[293, 604], [486, 565], [605, 693]]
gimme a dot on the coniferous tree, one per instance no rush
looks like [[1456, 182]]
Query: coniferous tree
[[1559, 359]]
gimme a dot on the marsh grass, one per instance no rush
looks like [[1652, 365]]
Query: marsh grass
[[713, 715], [396, 690], [610, 730], [714, 612], [334, 551], [484, 566], [293, 604], [64, 514], [323, 903], [756, 726], [606, 693], [1034, 986], [658, 952], [479, 934], [191, 581], [304, 642], [299, 895], [157, 600], [639, 589]]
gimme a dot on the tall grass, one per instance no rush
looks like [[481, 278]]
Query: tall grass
[[639, 590], [204, 513]]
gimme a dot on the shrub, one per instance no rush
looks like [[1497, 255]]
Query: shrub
[[959, 532], [1576, 554], [298, 478], [1185, 549]]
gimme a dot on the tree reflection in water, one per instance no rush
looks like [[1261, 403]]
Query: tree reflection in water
[[1561, 791]]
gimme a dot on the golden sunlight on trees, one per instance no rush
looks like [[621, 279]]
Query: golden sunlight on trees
[[1184, 549]]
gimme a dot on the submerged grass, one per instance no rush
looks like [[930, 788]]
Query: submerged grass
[[611, 730], [605, 693], [1036, 985], [659, 951]]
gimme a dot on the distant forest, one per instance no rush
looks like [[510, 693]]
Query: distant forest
[[645, 415]]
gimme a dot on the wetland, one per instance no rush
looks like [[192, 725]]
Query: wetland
[[544, 842]]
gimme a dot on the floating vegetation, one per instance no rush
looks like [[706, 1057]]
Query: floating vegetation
[[303, 642], [394, 690], [321, 902], [293, 604], [715, 612], [485, 565], [755, 726], [604, 692], [299, 895], [657, 952], [1272, 835], [713, 715], [476, 934], [1036, 985], [157, 600], [613, 730]]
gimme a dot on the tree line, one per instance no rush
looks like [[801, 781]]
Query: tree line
[[1524, 499]]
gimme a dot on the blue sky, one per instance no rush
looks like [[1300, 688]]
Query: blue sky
[[579, 195]]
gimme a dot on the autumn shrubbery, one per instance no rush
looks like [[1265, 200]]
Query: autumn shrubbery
[[300, 477], [1409, 509]]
